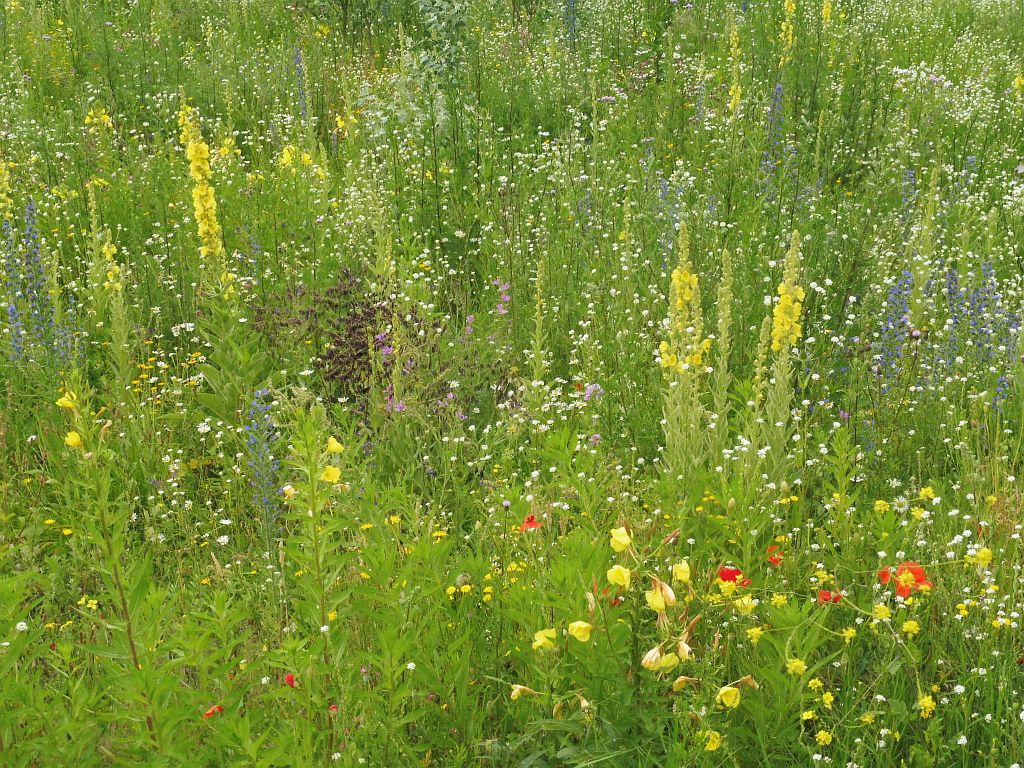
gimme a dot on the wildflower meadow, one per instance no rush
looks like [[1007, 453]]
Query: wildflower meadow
[[511, 383]]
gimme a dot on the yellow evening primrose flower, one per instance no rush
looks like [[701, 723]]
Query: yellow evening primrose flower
[[620, 539], [796, 666], [581, 631], [333, 446], [68, 400], [331, 474], [619, 575], [518, 691], [713, 740], [681, 572], [651, 659], [728, 696], [73, 440], [655, 601], [668, 662], [544, 639]]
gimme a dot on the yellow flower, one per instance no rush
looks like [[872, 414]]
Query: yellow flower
[[331, 474], [779, 600], [288, 491], [982, 557], [827, 698], [808, 714], [544, 639], [68, 400], [518, 691], [910, 628], [927, 493], [728, 696], [73, 440], [620, 539], [655, 601], [660, 596], [926, 704], [333, 446], [619, 575], [652, 659], [815, 684], [848, 634], [824, 738], [681, 572], [681, 682], [581, 631], [881, 506], [668, 662], [713, 740], [754, 635], [745, 604], [796, 666], [881, 612]]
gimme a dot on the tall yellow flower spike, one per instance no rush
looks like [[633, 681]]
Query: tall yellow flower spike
[[786, 328], [203, 200]]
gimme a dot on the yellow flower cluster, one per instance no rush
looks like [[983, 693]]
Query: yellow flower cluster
[[98, 120], [736, 89], [826, 13], [6, 202], [686, 348], [786, 328], [203, 200], [786, 34], [113, 281]]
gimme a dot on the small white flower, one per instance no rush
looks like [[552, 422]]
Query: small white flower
[[222, 540], [411, 666], [21, 626]]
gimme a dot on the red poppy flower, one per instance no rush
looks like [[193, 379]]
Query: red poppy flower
[[216, 709], [729, 573], [530, 523], [333, 709], [909, 576], [289, 680], [828, 596], [774, 555]]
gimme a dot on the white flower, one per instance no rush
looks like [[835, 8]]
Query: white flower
[[222, 540], [21, 626], [411, 666]]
